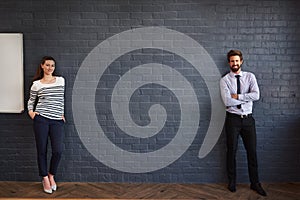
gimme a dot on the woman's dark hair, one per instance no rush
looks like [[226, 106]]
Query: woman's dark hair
[[234, 53], [39, 72]]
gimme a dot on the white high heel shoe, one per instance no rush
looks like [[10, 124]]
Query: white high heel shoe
[[54, 187], [48, 191]]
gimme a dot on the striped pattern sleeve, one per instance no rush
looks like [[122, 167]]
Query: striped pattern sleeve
[[32, 97]]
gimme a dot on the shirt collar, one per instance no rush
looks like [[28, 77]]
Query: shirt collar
[[233, 74]]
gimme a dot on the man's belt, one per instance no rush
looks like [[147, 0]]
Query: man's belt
[[239, 116]]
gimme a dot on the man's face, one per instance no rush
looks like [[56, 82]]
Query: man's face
[[235, 63]]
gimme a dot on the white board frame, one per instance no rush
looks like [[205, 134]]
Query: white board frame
[[11, 73]]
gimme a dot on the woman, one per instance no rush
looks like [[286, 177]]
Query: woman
[[46, 108]]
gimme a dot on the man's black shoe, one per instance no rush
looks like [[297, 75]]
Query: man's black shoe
[[231, 187], [258, 188]]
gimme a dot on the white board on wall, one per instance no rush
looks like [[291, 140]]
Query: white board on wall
[[11, 73]]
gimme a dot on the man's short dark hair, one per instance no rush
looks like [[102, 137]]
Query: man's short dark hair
[[234, 53]]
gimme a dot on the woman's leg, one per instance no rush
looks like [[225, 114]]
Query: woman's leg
[[41, 130], [56, 136]]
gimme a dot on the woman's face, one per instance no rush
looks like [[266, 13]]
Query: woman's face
[[48, 67]]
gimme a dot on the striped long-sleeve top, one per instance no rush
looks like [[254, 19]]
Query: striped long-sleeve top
[[48, 99]]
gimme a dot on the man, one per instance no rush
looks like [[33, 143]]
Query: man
[[238, 90]]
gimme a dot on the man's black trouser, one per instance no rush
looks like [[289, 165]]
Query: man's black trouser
[[244, 126]]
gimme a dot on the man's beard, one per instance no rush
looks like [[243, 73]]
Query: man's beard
[[235, 69]]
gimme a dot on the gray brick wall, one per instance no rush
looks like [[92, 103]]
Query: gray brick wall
[[266, 31]]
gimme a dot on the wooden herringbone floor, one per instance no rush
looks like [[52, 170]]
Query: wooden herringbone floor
[[75, 190]]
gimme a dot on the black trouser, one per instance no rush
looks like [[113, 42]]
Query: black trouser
[[236, 126], [44, 128]]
